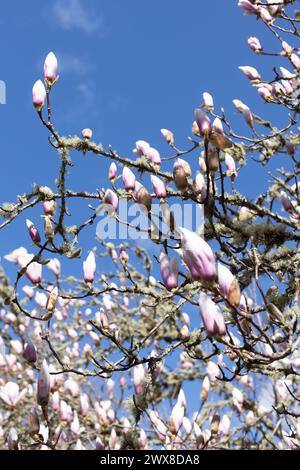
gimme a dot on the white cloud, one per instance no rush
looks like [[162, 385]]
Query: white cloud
[[73, 64], [76, 14]]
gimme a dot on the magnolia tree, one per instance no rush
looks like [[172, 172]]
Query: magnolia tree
[[189, 337]]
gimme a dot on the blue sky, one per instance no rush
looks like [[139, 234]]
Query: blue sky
[[127, 69]]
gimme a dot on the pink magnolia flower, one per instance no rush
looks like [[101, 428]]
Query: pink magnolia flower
[[255, 44], [12, 440], [205, 388], [49, 207], [217, 126], [159, 186], [43, 386], [50, 69], [203, 122], [181, 172], [54, 266], [295, 59], [224, 426], [87, 133], [29, 291], [228, 286], [286, 48], [245, 110], [168, 271], [84, 404], [34, 269], [38, 95], [198, 256], [33, 231], [208, 102], [111, 199], [113, 171], [248, 7], [175, 420], [141, 147], [265, 15], [200, 186], [29, 351], [142, 196], [153, 155], [230, 165], [138, 378], [286, 201], [16, 254], [128, 178], [250, 72], [11, 395], [89, 267], [168, 136], [212, 316]]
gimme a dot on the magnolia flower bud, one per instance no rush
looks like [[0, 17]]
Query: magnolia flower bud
[[181, 172], [168, 135], [250, 72], [38, 95], [295, 59], [175, 420], [34, 422], [141, 147], [49, 207], [128, 179], [198, 256], [212, 316], [199, 186], [142, 196], [255, 44], [286, 202], [286, 48], [245, 110], [50, 69], [123, 255], [33, 270], [248, 7], [224, 426], [111, 199], [48, 228], [12, 440], [33, 231], [228, 286], [265, 15], [184, 332], [205, 388], [214, 425], [43, 386], [153, 155], [113, 171], [217, 126], [89, 267], [168, 271], [203, 122], [230, 165], [29, 352], [52, 299], [87, 133], [138, 378], [208, 102], [159, 186]]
